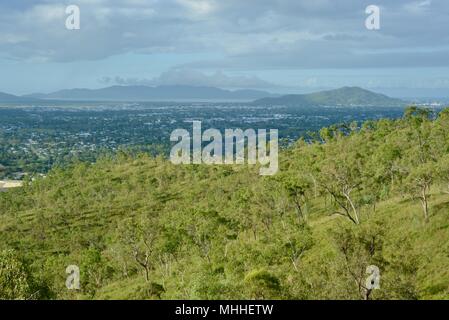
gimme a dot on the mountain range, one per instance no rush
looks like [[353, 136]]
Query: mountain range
[[159, 93], [346, 96], [6, 97]]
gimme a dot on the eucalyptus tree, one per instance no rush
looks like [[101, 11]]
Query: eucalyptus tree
[[419, 160], [15, 278], [340, 174]]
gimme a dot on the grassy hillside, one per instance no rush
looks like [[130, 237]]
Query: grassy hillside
[[343, 96], [142, 228]]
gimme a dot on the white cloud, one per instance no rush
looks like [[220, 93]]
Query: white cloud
[[193, 77], [198, 7], [9, 38], [259, 34], [417, 7]]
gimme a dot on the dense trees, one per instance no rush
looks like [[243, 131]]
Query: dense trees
[[17, 281], [140, 227], [14, 277]]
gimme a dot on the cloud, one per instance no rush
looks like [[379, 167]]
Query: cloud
[[198, 7], [418, 7], [262, 34], [194, 77]]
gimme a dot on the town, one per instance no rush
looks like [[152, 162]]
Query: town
[[35, 138]]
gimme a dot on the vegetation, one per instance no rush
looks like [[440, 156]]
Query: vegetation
[[141, 228], [339, 97]]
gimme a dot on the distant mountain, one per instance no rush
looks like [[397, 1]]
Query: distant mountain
[[6, 97], [346, 96], [146, 93]]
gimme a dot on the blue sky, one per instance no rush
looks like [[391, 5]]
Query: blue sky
[[274, 45]]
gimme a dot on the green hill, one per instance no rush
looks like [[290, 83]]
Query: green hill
[[346, 96], [142, 228]]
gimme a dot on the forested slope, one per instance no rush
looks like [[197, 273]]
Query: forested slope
[[142, 228]]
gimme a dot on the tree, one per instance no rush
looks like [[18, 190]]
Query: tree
[[419, 121], [341, 177], [442, 170], [298, 189], [94, 270], [261, 284], [418, 185], [138, 235], [359, 249], [15, 278], [420, 161], [295, 240]]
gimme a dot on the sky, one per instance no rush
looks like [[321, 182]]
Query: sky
[[285, 46]]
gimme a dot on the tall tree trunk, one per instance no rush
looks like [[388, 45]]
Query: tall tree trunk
[[424, 202], [147, 274], [356, 215]]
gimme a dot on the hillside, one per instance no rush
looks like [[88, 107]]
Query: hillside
[[6, 97], [346, 96], [146, 93], [142, 228]]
